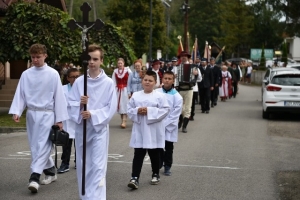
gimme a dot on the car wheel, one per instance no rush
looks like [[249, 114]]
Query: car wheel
[[265, 114]]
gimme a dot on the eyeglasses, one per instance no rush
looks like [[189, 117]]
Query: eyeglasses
[[73, 77]]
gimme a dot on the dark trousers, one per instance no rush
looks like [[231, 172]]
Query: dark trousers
[[234, 85], [138, 159], [168, 156], [66, 154], [195, 97], [214, 95], [205, 98]]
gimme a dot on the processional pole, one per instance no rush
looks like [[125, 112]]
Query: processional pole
[[85, 26]]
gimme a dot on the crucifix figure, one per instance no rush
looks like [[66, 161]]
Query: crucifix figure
[[85, 26]]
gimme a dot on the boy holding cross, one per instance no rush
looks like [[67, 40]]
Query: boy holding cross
[[101, 104]]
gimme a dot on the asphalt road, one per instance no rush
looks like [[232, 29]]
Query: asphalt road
[[229, 154]]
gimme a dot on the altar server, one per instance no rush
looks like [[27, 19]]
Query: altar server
[[41, 92], [147, 109], [101, 103]]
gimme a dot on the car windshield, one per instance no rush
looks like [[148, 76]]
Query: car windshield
[[287, 79]]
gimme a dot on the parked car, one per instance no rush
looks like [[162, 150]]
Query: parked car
[[282, 92], [269, 74], [294, 65], [270, 63]]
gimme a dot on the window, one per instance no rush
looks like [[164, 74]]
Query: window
[[287, 80]]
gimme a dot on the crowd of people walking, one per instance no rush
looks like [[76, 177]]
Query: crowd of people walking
[[158, 100]]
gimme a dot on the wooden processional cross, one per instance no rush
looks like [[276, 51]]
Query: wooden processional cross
[[85, 26]]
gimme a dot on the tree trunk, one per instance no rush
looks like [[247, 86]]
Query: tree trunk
[[71, 7], [95, 10]]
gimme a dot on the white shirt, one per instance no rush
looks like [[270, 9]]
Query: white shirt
[[249, 70]]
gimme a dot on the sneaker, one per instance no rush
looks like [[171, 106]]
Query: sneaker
[[63, 168], [33, 186], [155, 179], [48, 179], [167, 171], [133, 183]]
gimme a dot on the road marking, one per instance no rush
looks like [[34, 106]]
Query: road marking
[[148, 163]]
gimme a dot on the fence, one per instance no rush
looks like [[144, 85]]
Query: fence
[[2, 75]]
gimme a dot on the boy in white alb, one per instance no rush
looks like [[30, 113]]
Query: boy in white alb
[[69, 125], [40, 91], [147, 109], [101, 104], [171, 121]]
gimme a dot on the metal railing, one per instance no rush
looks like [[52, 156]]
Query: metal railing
[[2, 75]]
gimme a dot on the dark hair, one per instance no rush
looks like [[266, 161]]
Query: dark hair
[[95, 47], [71, 70], [169, 73], [153, 74]]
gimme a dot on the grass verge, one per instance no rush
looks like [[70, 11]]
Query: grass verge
[[6, 120]]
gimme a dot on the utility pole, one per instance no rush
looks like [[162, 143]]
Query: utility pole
[[185, 7]]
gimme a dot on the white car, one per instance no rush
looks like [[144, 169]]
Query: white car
[[270, 63], [282, 93], [294, 65]]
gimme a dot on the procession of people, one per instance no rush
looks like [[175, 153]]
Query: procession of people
[[160, 101]]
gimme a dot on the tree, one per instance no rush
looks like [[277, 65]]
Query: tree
[[204, 21], [29, 23], [134, 19], [236, 24], [267, 28], [114, 44], [284, 56], [289, 9], [262, 63]]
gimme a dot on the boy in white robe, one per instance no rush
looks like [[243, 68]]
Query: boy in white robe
[[147, 109], [69, 125], [40, 91], [101, 104], [171, 121]]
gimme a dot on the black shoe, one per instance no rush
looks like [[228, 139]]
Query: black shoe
[[133, 183], [215, 104], [203, 111], [63, 168], [191, 118], [207, 112], [185, 123], [167, 171], [180, 121], [212, 105]]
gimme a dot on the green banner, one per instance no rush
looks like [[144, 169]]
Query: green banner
[[256, 54]]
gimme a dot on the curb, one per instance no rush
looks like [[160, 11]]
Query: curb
[[6, 130]]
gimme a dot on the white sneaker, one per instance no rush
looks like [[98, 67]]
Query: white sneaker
[[155, 180], [49, 179], [33, 186]]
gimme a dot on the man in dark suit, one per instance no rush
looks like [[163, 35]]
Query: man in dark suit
[[205, 86], [217, 81]]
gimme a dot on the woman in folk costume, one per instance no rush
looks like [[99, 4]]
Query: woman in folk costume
[[120, 77], [134, 83], [226, 84]]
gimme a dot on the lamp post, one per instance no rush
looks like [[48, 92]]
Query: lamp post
[[150, 42], [185, 7], [168, 23]]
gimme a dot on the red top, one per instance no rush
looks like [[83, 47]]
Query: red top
[[122, 82]]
